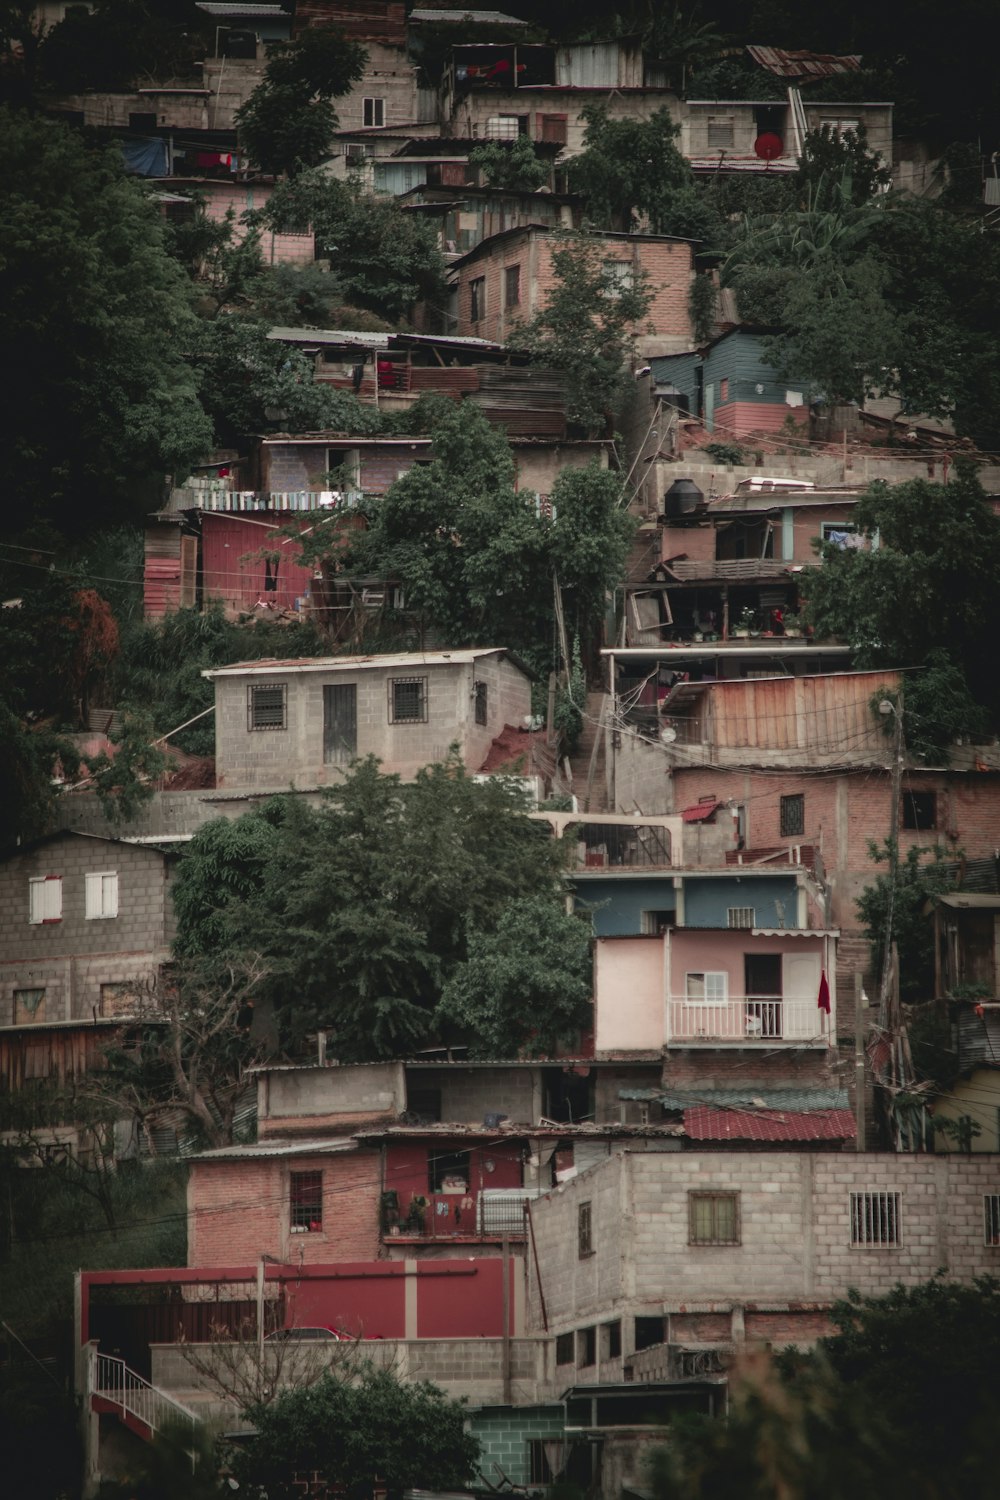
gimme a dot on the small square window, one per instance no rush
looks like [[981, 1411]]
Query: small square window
[[611, 1340], [408, 700], [306, 1202], [29, 1007], [991, 1219], [619, 278], [449, 1171], [565, 1346], [267, 706], [720, 132], [101, 895], [44, 899], [792, 813], [374, 112], [649, 1331], [919, 809], [512, 286], [477, 298], [503, 127], [875, 1220], [482, 703], [741, 916], [584, 1230], [713, 1218], [654, 923], [553, 128], [708, 988], [586, 1347]]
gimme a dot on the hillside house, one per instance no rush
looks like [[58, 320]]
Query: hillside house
[[729, 386], [301, 723], [506, 280]]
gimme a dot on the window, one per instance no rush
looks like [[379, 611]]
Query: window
[[586, 1347], [709, 988], [741, 916], [267, 705], [649, 1331], [618, 277], [653, 923], [839, 127], [306, 1202], [611, 1340], [875, 1220], [408, 700], [841, 534], [584, 1230], [539, 1468], [919, 809], [713, 1218], [477, 298], [553, 128], [449, 1171], [482, 703], [45, 899], [374, 112], [991, 1218], [720, 132], [503, 128], [29, 1006], [564, 1348], [512, 286], [792, 813], [101, 894]]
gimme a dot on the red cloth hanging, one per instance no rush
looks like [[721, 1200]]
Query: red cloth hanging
[[823, 998]]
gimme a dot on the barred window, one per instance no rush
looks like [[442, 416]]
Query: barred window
[[482, 703], [267, 705], [584, 1230], [306, 1202], [875, 1220], [564, 1348], [713, 1218], [408, 700], [741, 916], [991, 1218], [793, 815]]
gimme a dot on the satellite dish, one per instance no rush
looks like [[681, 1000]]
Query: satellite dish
[[668, 734], [768, 145]]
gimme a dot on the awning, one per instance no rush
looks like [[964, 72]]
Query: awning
[[700, 813], [703, 1124]]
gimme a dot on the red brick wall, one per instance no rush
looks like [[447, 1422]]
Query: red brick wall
[[786, 1068], [238, 1210]]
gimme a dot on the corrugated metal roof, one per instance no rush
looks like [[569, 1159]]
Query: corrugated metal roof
[[277, 1148], [704, 1124], [355, 663], [803, 64], [700, 813], [750, 1096], [461, 17], [970, 900], [374, 340]]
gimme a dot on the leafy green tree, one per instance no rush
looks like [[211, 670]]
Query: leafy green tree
[[183, 1459], [106, 46], [386, 259], [630, 171], [829, 155], [585, 330], [526, 986], [288, 122], [841, 334], [373, 1429], [924, 596], [95, 320], [905, 893], [510, 164]]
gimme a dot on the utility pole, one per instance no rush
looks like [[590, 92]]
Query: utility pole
[[895, 795]]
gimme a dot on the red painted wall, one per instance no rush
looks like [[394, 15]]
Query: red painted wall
[[229, 574], [407, 1173]]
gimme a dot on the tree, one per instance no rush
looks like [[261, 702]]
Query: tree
[[923, 597], [905, 892], [841, 334], [385, 259], [371, 1429], [585, 330], [95, 320], [899, 1402], [526, 986], [630, 171], [288, 122], [247, 1371], [828, 154], [510, 164]]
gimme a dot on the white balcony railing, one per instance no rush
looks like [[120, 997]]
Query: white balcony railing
[[747, 1019], [112, 1379]]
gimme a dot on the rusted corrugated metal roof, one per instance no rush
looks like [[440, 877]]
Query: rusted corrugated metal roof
[[789, 64], [700, 813], [704, 1124]]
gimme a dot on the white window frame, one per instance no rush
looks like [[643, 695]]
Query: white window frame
[[619, 277], [713, 982], [741, 916], [498, 127], [373, 113], [44, 899], [100, 895], [876, 1219]]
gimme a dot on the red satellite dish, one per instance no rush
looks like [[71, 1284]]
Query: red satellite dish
[[768, 145]]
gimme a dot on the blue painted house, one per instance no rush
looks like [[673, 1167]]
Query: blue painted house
[[625, 903], [730, 387]]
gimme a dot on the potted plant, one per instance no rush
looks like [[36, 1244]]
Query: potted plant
[[792, 625], [746, 623]]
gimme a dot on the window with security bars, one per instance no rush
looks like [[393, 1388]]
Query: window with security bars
[[584, 1230], [408, 700], [991, 1218], [793, 815], [266, 705], [482, 703], [713, 1218], [741, 916], [720, 132], [305, 1202], [875, 1220]]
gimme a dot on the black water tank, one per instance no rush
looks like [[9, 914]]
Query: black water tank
[[683, 496]]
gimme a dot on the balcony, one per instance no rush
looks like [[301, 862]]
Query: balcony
[[489, 1214], [237, 501], [620, 845], [747, 1021]]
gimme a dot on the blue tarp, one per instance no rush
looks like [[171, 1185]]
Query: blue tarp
[[146, 157]]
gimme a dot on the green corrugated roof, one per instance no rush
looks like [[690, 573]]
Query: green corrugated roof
[[795, 1101]]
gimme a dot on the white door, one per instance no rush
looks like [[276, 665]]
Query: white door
[[800, 976]]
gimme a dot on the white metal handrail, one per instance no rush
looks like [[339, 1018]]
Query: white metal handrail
[[746, 1018], [112, 1379]]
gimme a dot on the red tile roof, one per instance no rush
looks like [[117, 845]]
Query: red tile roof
[[705, 1124]]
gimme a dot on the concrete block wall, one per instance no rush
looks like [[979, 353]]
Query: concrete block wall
[[238, 1209], [506, 1432], [468, 1095]]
